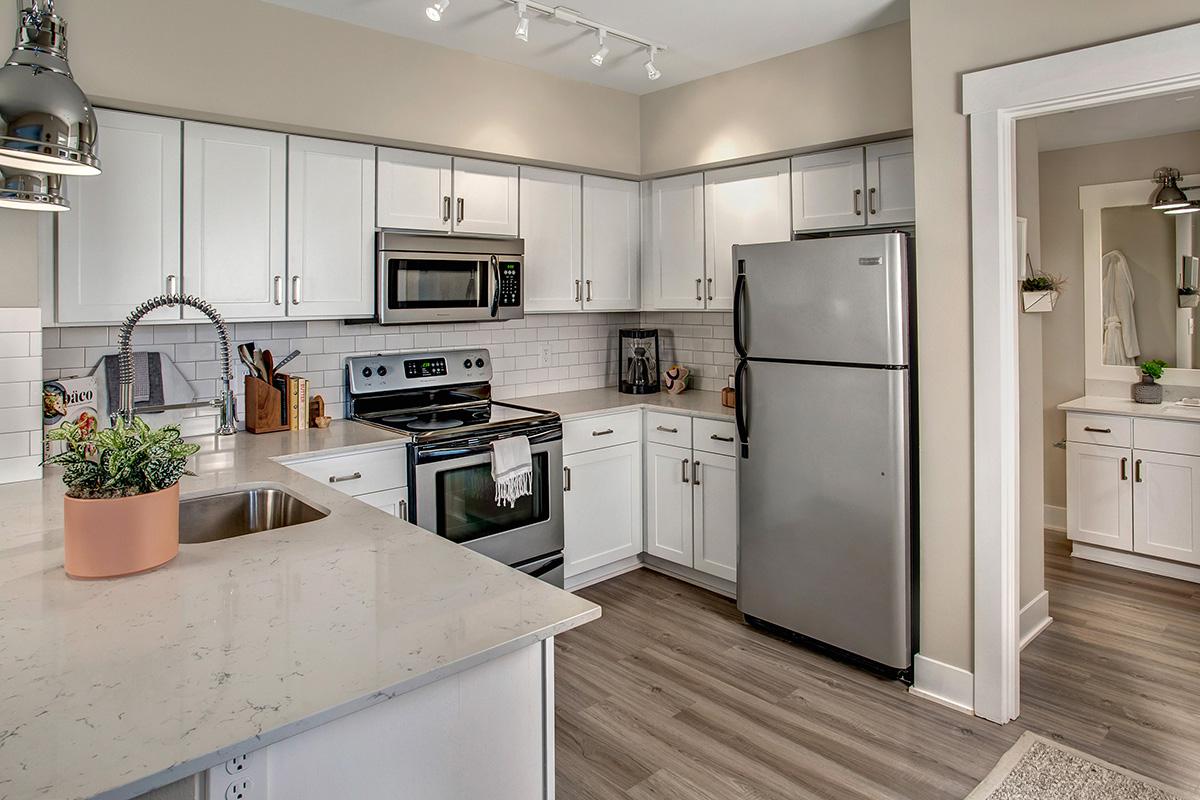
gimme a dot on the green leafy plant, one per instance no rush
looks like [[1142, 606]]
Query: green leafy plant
[[1043, 282], [1154, 368], [123, 461]]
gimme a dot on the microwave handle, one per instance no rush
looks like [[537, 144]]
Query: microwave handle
[[495, 307]]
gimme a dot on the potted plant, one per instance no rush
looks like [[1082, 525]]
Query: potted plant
[[121, 510], [1147, 391], [1039, 291]]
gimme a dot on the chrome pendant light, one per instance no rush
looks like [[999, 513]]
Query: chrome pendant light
[[47, 124], [1170, 197], [31, 191]]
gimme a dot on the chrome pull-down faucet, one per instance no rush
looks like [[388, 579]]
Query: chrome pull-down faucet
[[225, 402]]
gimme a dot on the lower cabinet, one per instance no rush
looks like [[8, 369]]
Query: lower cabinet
[[714, 511], [1166, 516], [602, 506], [1099, 497], [669, 502], [393, 501]]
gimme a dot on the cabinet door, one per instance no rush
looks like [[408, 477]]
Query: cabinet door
[[715, 499], [1100, 495], [742, 205], [602, 507], [393, 501], [331, 228], [612, 232], [827, 190], [551, 215], [234, 219], [669, 502], [485, 197], [1166, 516], [119, 243], [891, 189], [676, 271], [413, 190]]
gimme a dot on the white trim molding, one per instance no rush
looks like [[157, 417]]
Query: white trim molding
[[1054, 518], [995, 99], [1035, 618], [943, 683], [1136, 561]]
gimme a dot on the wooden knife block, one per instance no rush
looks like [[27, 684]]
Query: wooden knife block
[[264, 407]]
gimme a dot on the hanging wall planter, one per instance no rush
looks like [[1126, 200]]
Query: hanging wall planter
[[1038, 302]]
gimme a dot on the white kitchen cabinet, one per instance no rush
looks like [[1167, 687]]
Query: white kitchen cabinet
[[602, 506], [485, 197], [551, 215], [331, 228], [715, 517], [742, 205], [1099, 498], [611, 244], [1166, 515], [674, 277], [119, 244], [891, 189], [234, 220], [669, 505], [393, 501], [828, 190], [414, 190]]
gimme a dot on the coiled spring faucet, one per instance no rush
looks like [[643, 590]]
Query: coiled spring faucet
[[225, 402]]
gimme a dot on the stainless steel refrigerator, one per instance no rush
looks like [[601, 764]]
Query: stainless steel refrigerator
[[826, 480]]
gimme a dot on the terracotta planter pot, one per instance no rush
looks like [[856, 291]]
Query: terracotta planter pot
[[109, 538]]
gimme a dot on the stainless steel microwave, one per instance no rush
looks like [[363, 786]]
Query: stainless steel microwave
[[449, 279]]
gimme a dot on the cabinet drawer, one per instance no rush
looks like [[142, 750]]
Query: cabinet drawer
[[357, 473], [670, 429], [581, 435], [1099, 429], [1167, 436], [713, 436]]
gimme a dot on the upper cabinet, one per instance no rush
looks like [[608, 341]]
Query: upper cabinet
[[611, 244], [551, 219], [414, 190], [485, 197], [675, 277], [742, 205], [235, 220], [119, 244], [854, 187], [331, 228]]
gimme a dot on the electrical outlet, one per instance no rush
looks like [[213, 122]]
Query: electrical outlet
[[239, 790], [543, 354], [237, 764], [243, 777]]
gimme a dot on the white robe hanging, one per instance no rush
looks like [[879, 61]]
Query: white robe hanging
[[1120, 328]]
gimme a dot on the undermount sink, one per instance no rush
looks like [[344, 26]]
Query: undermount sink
[[238, 512]]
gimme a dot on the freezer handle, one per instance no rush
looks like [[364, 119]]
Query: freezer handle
[[739, 406], [739, 294]]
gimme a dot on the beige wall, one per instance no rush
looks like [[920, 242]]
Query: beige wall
[[950, 37], [852, 88], [1062, 173]]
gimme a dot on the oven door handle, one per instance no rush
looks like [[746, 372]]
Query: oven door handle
[[540, 443], [495, 266], [546, 568]]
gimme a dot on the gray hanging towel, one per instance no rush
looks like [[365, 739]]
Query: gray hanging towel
[[147, 380]]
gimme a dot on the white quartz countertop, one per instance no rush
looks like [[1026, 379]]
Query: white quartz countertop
[[111, 688], [588, 402], [1093, 404]]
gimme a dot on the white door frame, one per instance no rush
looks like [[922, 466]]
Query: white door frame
[[995, 99]]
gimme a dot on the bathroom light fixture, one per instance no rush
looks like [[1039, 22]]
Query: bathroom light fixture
[[1169, 195], [435, 11], [31, 192], [652, 72], [1190, 208], [47, 124], [599, 56], [522, 31]]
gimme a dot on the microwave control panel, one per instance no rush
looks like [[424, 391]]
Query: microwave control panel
[[510, 284]]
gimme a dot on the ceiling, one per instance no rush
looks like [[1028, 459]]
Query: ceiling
[[703, 37], [1118, 122]]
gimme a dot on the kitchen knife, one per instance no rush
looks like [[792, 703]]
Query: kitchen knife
[[287, 358]]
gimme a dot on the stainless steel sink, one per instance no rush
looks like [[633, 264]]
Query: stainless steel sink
[[252, 509]]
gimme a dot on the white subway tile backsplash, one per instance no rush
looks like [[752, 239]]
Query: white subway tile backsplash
[[20, 394]]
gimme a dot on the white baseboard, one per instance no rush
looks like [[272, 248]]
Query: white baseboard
[[702, 579], [1120, 558], [599, 574], [943, 683], [1054, 518], [1035, 618]]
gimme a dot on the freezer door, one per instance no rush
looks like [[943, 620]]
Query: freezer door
[[838, 300], [823, 505]]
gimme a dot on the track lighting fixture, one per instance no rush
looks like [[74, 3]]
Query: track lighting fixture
[[599, 56], [1169, 198], [522, 30], [435, 11], [652, 72]]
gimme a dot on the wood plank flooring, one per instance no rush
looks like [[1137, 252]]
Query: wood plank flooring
[[671, 696]]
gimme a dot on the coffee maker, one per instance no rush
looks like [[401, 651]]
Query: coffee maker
[[638, 360]]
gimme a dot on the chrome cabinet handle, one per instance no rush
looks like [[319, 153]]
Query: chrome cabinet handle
[[589, 291], [684, 473], [404, 510], [577, 295], [1124, 471], [695, 473], [462, 209], [871, 201], [858, 202], [604, 432], [665, 429], [277, 291], [172, 287], [295, 290], [1090, 429], [717, 438], [339, 478], [566, 479], [445, 208], [1137, 471], [710, 289], [699, 296]]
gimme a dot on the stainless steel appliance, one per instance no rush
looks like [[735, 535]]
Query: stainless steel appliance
[[442, 401], [448, 279], [825, 410], [638, 359]]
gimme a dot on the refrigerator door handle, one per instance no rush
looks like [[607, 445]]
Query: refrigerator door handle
[[739, 405], [739, 294]]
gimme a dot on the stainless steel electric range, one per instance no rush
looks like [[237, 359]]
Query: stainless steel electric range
[[442, 400]]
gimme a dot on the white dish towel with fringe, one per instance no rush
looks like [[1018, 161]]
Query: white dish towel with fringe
[[512, 469]]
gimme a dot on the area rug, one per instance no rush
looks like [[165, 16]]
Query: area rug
[[1036, 768]]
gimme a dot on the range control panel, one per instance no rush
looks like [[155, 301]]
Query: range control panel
[[391, 372], [510, 284]]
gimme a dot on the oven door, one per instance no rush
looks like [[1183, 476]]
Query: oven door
[[456, 499], [437, 287]]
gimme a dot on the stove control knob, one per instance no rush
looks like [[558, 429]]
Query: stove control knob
[[381, 370], [366, 372], [479, 363], [467, 364]]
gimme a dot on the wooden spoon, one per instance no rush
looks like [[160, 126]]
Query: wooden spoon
[[268, 362]]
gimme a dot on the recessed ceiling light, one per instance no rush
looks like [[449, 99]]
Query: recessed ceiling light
[[435, 11]]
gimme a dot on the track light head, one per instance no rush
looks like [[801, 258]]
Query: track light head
[[435, 11], [522, 30], [599, 56], [652, 72]]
